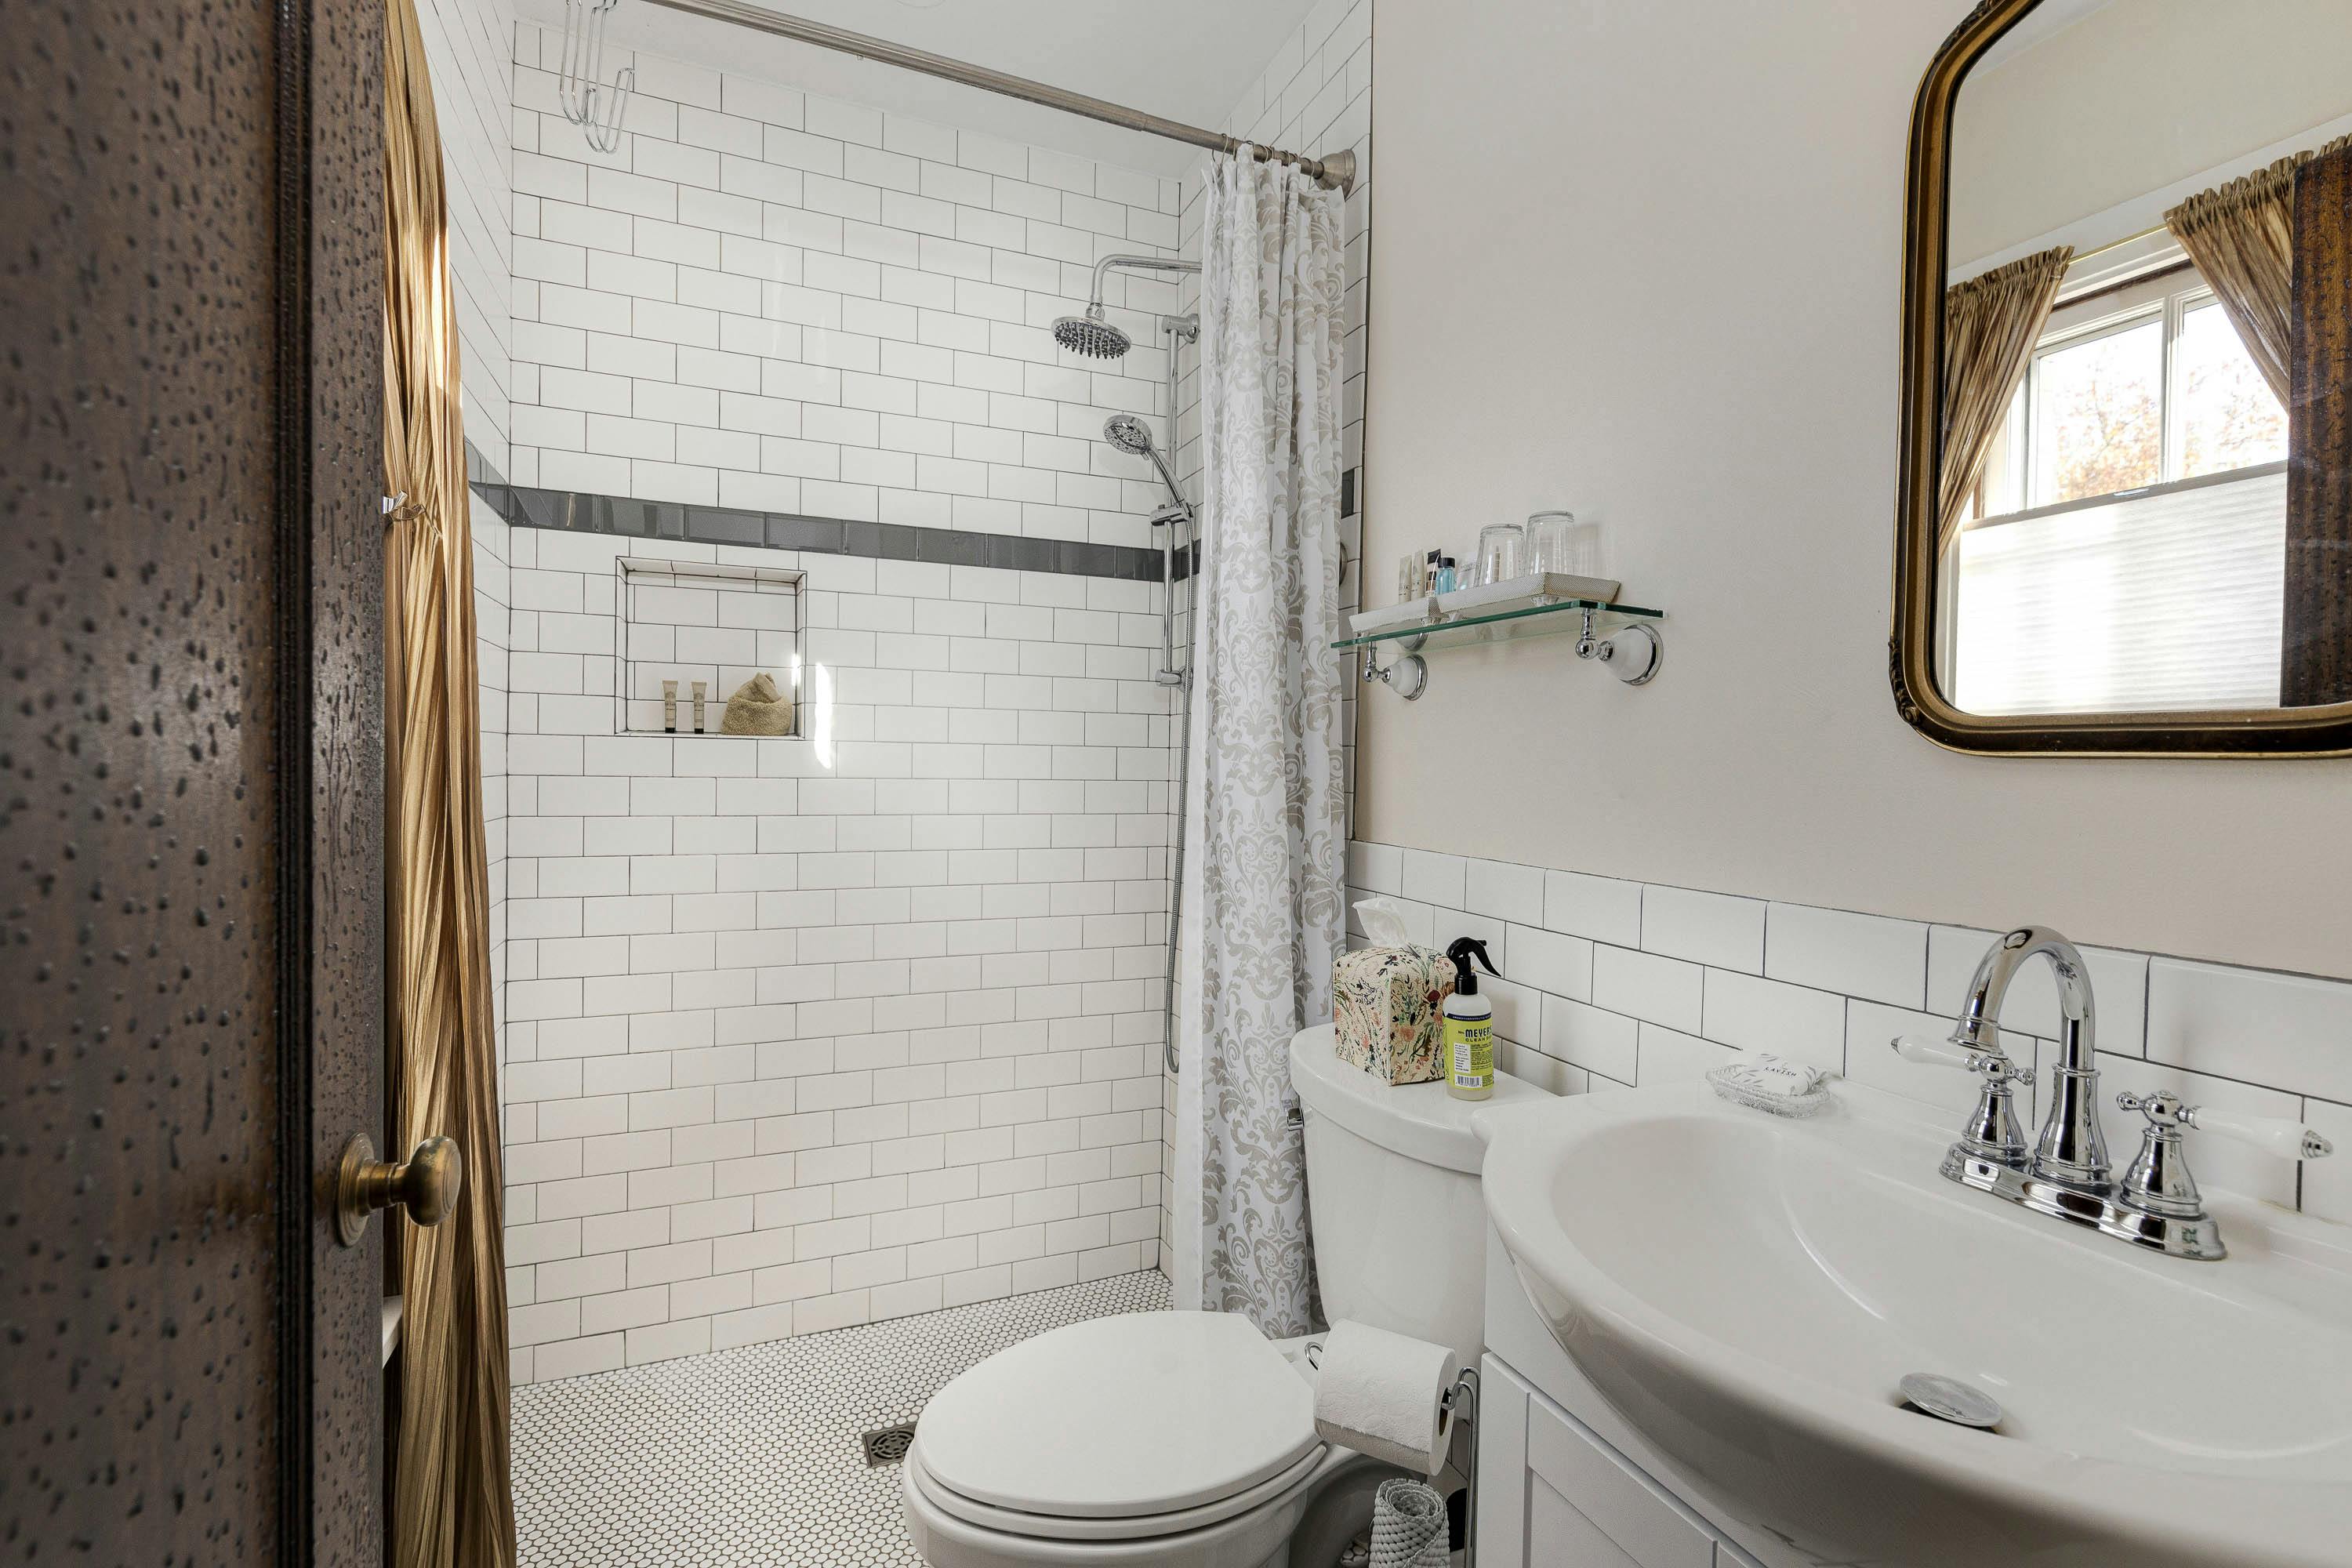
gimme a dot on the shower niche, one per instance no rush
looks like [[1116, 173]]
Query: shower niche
[[693, 633]]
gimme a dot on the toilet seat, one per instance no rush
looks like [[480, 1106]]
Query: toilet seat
[[1131, 1527], [1118, 1429]]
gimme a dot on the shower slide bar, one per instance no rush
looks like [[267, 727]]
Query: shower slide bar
[[1336, 169]]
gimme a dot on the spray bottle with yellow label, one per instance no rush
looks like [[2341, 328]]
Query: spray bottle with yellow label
[[1469, 1025]]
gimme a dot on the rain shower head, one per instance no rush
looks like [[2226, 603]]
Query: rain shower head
[[1091, 335], [1095, 337]]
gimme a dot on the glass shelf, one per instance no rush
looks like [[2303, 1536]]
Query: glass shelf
[[1505, 625]]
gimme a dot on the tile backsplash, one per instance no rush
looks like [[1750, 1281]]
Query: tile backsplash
[[1610, 984]]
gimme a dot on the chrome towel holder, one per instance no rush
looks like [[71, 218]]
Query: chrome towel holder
[[580, 88]]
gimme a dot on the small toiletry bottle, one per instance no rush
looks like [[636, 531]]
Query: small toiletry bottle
[[1445, 572], [1428, 571], [1408, 579], [1469, 1025]]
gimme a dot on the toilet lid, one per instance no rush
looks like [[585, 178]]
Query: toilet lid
[[1147, 1413]]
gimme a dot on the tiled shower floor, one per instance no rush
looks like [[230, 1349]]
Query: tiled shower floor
[[750, 1456]]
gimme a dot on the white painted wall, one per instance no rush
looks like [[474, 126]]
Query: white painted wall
[[1644, 261], [2131, 98]]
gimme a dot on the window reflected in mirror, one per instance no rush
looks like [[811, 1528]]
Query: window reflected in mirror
[[2092, 573], [2144, 498]]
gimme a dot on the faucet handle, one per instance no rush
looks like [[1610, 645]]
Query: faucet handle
[[1992, 1133], [1995, 1067], [2279, 1135]]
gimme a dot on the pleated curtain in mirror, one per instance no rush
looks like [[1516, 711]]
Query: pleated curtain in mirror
[[451, 1503], [2242, 238], [2276, 247], [1990, 324]]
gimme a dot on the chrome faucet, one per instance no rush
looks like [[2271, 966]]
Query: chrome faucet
[[2071, 1148], [2066, 1174]]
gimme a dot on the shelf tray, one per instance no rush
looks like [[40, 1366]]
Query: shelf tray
[[1504, 626]]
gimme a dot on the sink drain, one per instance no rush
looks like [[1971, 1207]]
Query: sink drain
[[886, 1444], [1949, 1399]]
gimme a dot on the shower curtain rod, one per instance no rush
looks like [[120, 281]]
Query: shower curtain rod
[[1334, 169]]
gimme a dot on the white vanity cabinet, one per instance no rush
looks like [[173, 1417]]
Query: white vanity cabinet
[[1553, 1495], [1563, 1482]]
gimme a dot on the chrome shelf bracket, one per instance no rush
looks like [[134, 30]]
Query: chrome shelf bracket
[[1633, 655], [1407, 677]]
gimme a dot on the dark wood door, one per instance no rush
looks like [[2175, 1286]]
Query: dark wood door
[[190, 855]]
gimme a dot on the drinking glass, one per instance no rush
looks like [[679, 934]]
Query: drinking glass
[[1558, 542], [1500, 545], [1548, 540]]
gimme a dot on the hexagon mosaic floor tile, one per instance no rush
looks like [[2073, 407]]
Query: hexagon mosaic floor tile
[[750, 1458]]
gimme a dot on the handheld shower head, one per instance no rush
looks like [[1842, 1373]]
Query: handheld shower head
[[1091, 335], [1129, 434], [1133, 436]]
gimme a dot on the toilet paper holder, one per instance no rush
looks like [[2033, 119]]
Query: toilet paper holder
[[1460, 1404]]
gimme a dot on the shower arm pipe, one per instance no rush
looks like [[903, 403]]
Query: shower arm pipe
[[1336, 169], [1136, 264]]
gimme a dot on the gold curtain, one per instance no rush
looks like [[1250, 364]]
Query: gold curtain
[[1990, 324], [2242, 238], [452, 1503]]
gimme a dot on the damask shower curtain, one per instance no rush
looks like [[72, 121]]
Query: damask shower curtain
[[1264, 814], [451, 1505]]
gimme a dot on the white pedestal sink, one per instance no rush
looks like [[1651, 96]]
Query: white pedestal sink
[[1747, 1291]]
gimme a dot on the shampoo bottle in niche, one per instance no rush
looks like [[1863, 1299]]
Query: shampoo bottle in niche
[[1469, 1025]]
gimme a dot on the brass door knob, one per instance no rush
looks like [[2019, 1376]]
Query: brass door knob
[[426, 1184]]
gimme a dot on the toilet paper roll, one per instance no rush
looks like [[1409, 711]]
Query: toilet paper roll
[[1382, 1394]]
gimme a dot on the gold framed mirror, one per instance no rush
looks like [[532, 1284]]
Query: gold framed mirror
[[2124, 522]]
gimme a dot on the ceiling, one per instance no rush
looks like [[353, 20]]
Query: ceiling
[[1190, 63]]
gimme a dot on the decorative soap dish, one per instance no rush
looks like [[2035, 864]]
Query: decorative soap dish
[[1769, 1083]]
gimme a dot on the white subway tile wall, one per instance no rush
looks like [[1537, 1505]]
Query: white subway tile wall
[[469, 52], [1621, 983], [1314, 96], [809, 1032], [492, 589], [767, 299]]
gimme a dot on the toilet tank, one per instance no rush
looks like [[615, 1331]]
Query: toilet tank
[[1392, 1200]]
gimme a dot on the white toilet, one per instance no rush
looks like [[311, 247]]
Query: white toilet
[[1186, 1439]]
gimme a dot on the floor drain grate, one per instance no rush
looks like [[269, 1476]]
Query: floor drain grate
[[888, 1445]]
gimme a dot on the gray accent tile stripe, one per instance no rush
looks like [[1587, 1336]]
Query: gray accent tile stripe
[[525, 507]]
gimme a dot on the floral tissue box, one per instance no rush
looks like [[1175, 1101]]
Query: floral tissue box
[[1384, 1002]]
